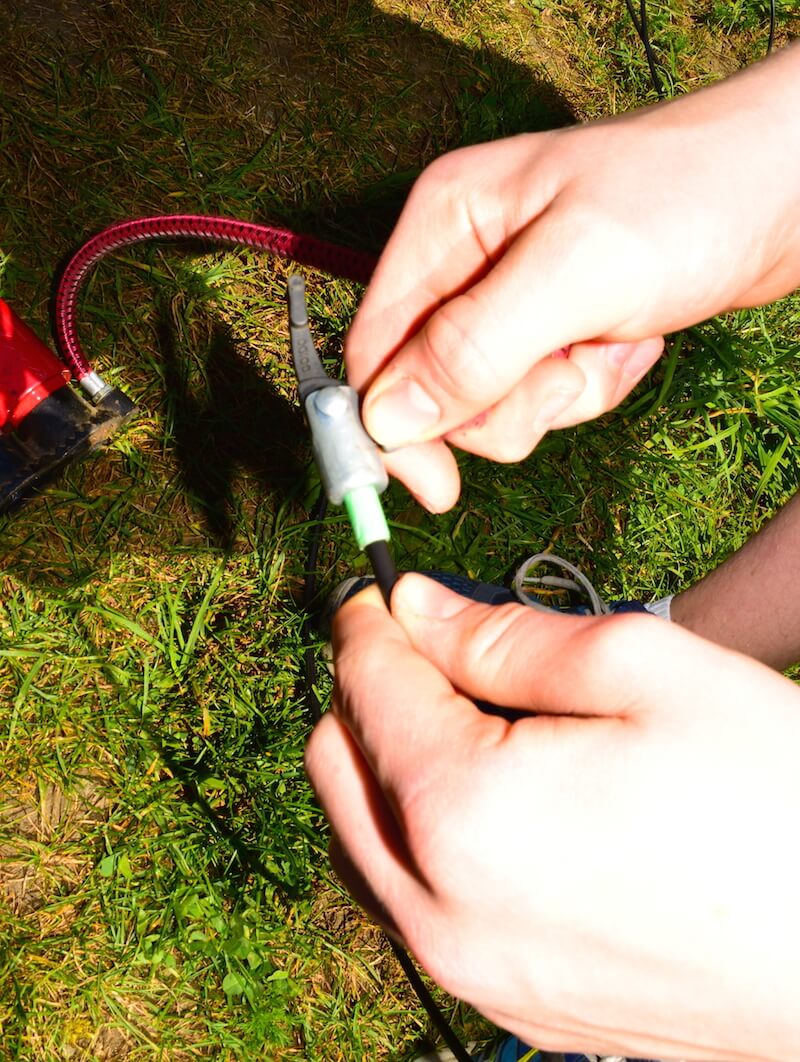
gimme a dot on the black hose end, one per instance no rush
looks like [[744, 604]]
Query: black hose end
[[382, 562], [117, 406], [61, 429]]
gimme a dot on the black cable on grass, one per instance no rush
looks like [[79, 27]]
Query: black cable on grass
[[385, 576], [640, 24], [771, 39], [309, 599], [460, 1053]]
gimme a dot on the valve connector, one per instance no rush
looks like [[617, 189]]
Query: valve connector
[[346, 456]]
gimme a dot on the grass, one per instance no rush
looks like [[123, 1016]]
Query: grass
[[164, 890]]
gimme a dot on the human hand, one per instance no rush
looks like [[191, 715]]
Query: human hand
[[616, 874], [599, 238]]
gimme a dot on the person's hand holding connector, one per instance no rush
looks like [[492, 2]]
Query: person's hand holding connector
[[602, 238], [617, 873]]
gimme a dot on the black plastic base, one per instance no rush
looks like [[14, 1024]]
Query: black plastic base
[[64, 426]]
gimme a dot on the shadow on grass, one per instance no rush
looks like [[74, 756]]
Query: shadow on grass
[[454, 96], [235, 421], [232, 879]]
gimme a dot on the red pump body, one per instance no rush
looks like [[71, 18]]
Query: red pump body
[[28, 371], [44, 423]]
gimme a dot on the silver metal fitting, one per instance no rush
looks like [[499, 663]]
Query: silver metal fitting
[[94, 386], [346, 456]]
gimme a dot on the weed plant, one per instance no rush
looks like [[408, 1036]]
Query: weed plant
[[164, 888]]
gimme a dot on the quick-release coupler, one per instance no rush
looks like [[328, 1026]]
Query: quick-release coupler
[[349, 462]]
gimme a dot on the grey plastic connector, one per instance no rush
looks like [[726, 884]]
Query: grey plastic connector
[[346, 456]]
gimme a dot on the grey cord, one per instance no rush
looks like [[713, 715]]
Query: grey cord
[[525, 583]]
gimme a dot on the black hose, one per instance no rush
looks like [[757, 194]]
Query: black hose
[[309, 600], [383, 568], [640, 24], [385, 576], [460, 1053], [771, 39]]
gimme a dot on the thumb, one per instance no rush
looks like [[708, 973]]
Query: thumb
[[550, 663]]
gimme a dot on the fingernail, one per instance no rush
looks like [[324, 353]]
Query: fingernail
[[618, 353], [551, 406], [431, 506], [400, 414], [416, 595], [634, 358]]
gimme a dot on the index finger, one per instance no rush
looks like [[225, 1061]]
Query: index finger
[[401, 710], [421, 267]]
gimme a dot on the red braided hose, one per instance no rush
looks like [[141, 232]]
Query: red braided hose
[[306, 250]]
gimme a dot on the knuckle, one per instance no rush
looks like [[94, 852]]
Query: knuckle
[[442, 956], [433, 943], [444, 170], [427, 825], [436, 821], [612, 642], [435, 188], [493, 636], [458, 365], [359, 680], [450, 822], [632, 264], [435, 175], [595, 400]]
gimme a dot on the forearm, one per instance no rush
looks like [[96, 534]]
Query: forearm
[[750, 125], [767, 95], [752, 602]]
